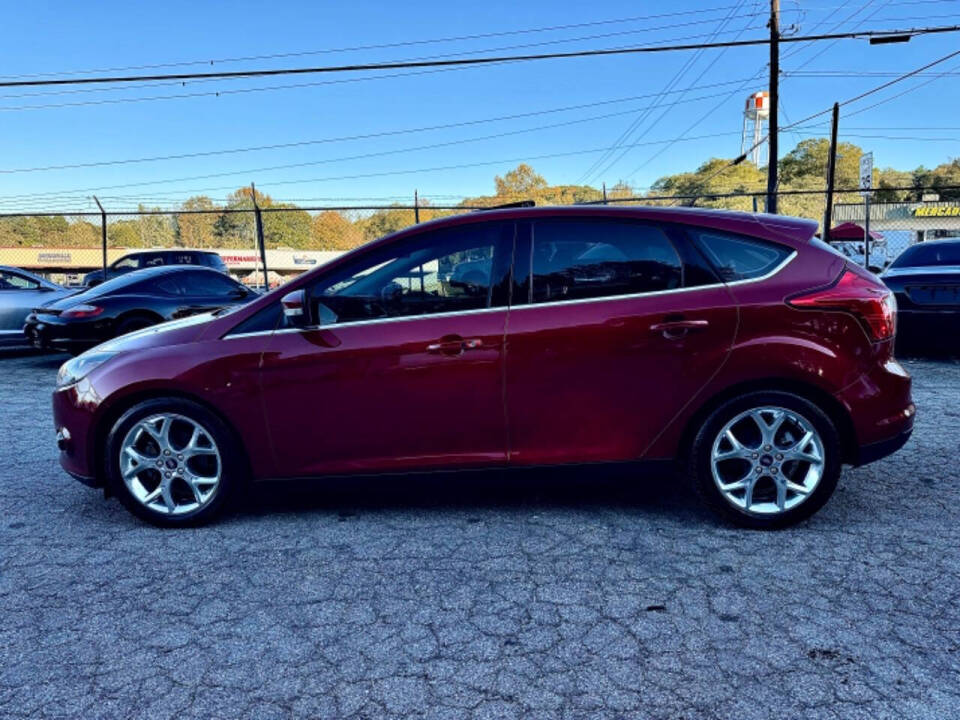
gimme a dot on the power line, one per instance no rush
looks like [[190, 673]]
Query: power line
[[878, 88], [345, 138], [363, 156], [382, 46], [235, 91], [604, 161], [416, 170], [362, 67]]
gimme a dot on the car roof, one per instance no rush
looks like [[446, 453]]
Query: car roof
[[793, 230], [155, 251]]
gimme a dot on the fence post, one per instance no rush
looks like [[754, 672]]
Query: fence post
[[416, 208], [260, 244], [604, 193], [866, 231], [103, 235], [831, 174]]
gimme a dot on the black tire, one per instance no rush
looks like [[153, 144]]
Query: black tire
[[133, 323], [232, 467], [700, 472]]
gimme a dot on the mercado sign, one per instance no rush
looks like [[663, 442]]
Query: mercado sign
[[937, 211]]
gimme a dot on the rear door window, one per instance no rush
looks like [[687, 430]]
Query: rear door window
[[583, 259], [736, 257]]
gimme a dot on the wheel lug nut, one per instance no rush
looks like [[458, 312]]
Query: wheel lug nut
[[159, 463], [766, 447], [179, 457], [779, 456], [168, 474], [166, 452], [773, 470], [756, 455], [759, 469]]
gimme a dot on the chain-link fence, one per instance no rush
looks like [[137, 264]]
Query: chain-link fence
[[73, 249]]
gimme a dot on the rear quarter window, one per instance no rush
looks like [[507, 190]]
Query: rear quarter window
[[736, 257]]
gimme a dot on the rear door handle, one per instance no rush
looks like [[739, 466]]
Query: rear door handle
[[454, 345], [673, 329]]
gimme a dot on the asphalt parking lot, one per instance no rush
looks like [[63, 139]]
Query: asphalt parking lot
[[463, 599]]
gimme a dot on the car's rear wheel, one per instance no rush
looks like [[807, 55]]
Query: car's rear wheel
[[766, 459], [172, 462]]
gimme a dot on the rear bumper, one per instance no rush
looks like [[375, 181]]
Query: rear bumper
[[878, 450], [881, 411], [67, 336]]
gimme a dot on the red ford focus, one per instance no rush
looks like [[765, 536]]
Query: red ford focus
[[737, 345]]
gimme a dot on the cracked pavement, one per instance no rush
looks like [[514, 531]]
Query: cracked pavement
[[570, 595]]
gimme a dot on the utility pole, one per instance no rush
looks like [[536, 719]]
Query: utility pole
[[774, 104], [831, 173], [416, 207]]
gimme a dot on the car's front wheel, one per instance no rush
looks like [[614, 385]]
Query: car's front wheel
[[172, 462], [766, 459]]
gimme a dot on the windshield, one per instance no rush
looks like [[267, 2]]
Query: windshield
[[929, 254]]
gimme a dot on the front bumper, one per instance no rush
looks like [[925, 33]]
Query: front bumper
[[73, 421]]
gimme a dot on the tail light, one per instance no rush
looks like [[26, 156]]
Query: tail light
[[869, 301], [82, 311]]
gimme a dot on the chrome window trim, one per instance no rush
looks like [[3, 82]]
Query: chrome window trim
[[606, 298]]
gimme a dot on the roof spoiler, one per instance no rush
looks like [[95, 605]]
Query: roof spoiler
[[507, 206]]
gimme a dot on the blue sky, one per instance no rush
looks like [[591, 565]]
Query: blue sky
[[46, 127]]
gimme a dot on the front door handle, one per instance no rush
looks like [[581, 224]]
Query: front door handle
[[674, 329], [453, 345]]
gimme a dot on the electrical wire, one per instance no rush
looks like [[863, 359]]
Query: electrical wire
[[361, 67]]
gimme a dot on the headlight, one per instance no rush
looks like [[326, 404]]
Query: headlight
[[77, 368]]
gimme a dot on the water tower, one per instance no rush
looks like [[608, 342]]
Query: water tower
[[757, 110]]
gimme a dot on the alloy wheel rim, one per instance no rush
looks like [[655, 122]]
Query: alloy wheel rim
[[767, 460], [170, 464]]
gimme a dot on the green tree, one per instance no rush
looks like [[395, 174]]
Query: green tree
[[332, 231], [124, 234], [520, 182], [809, 159], [197, 230], [384, 222]]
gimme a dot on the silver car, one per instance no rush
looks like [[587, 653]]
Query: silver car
[[20, 292]]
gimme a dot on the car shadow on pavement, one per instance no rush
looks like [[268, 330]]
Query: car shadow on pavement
[[595, 487], [37, 358]]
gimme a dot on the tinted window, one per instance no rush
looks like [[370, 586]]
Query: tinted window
[[167, 286], [443, 271], [578, 259], [926, 255], [152, 260], [205, 284], [12, 281], [739, 258], [214, 261], [181, 258], [131, 262], [263, 321]]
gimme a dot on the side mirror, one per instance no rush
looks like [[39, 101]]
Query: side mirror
[[295, 307]]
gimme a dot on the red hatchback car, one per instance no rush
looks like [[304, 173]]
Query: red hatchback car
[[736, 344]]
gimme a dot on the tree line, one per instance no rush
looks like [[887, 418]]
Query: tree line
[[803, 168]]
